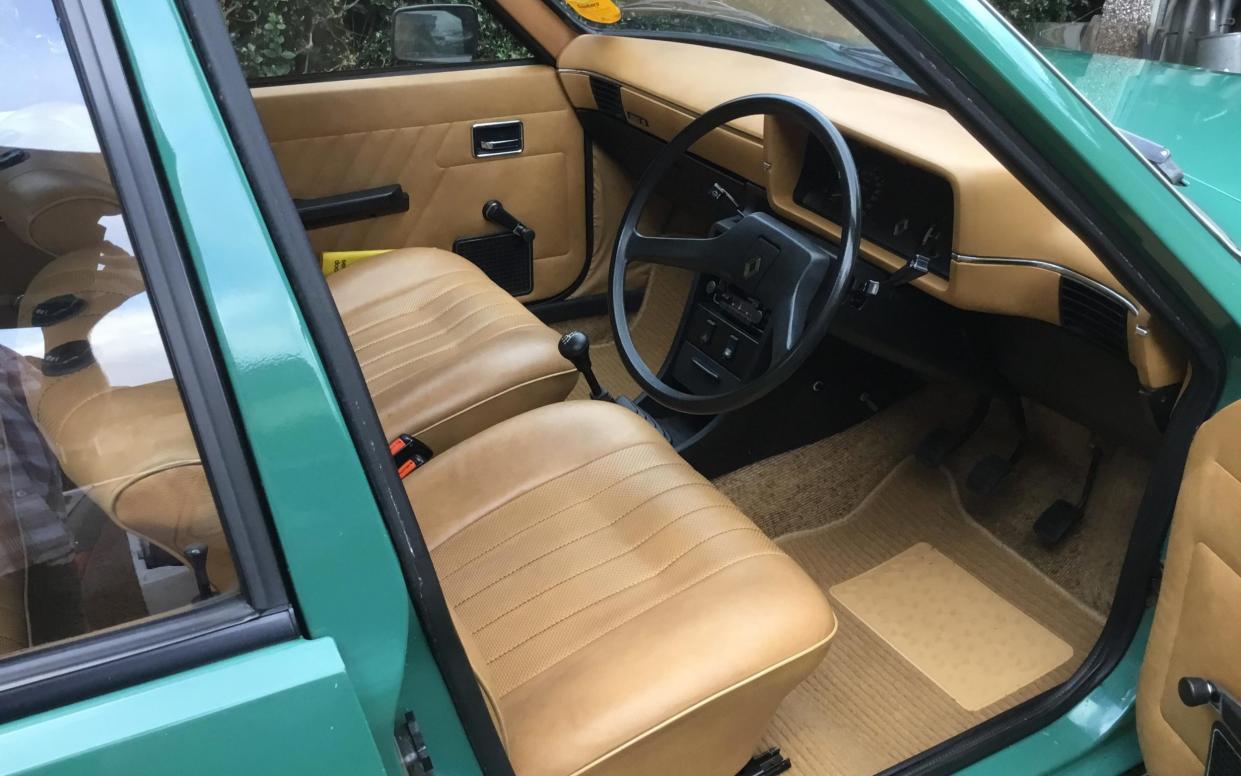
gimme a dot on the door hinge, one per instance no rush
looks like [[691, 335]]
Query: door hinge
[[413, 747]]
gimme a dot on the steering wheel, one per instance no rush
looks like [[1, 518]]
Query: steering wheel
[[798, 280]]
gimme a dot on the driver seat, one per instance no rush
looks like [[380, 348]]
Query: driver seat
[[621, 615]]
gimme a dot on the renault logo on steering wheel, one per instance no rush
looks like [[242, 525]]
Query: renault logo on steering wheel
[[752, 267]]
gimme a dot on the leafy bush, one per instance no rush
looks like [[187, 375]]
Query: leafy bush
[[287, 37], [1026, 13]]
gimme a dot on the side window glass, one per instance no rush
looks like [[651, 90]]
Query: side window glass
[[309, 38], [105, 512]]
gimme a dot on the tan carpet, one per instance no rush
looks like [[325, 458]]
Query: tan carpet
[[652, 327], [866, 707], [1087, 563], [824, 481]]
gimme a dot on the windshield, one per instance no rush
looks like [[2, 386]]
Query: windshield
[[1167, 71], [808, 30]]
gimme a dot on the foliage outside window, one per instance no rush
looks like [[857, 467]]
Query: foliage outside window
[[276, 38]]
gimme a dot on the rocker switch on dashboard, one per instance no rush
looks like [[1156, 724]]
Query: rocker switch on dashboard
[[707, 334]]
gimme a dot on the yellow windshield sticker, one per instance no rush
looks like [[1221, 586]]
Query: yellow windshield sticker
[[600, 11], [335, 261]]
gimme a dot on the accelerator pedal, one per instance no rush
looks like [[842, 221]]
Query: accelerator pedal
[[1059, 519]]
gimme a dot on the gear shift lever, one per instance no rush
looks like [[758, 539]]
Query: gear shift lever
[[575, 347]]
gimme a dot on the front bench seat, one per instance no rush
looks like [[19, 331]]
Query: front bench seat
[[444, 350], [621, 615]]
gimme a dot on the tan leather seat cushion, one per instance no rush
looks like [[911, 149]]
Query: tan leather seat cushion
[[445, 351], [622, 615]]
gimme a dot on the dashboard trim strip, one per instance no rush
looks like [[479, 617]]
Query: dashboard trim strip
[[1057, 268]]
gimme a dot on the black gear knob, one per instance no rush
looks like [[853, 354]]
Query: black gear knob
[[575, 347]]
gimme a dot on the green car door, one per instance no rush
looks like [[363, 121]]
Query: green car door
[[288, 645]]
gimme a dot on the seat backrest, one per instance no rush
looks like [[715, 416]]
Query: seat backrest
[[105, 400], [58, 201]]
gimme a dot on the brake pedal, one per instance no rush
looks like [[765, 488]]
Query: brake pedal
[[936, 446], [987, 474], [1059, 519], [768, 763]]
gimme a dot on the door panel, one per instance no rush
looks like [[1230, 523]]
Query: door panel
[[285, 709], [1197, 629], [332, 137]]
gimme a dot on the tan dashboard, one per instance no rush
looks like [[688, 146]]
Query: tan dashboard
[[1009, 252]]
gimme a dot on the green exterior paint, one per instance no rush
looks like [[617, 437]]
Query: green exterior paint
[[1196, 113], [295, 697], [344, 571]]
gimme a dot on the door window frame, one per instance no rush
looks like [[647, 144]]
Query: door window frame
[[539, 56], [261, 614], [205, 27]]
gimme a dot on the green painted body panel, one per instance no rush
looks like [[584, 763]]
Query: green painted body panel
[[346, 580], [286, 709], [1195, 113]]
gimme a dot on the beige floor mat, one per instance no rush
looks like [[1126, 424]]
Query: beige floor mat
[[653, 327], [866, 707], [970, 642]]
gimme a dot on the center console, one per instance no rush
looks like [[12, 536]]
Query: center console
[[723, 339]]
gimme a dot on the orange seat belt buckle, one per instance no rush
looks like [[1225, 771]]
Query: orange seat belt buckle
[[408, 454]]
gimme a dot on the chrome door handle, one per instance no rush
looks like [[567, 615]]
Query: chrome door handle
[[498, 138]]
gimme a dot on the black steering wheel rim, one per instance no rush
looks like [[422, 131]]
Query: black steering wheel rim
[[828, 297]]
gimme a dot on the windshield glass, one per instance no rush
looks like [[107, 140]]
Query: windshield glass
[[1166, 70], [810, 30]]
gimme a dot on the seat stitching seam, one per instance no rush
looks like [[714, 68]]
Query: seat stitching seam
[[438, 351], [633, 617], [399, 293], [539, 485], [578, 503], [627, 587], [604, 562], [419, 307], [435, 317], [442, 332]]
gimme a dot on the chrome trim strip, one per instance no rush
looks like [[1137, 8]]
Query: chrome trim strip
[[1058, 269]]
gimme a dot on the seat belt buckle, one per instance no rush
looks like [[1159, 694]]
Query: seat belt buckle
[[408, 454]]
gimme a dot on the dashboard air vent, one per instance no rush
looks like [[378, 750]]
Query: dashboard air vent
[[1093, 315], [607, 97]]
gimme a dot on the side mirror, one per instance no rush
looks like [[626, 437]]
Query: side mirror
[[436, 34]]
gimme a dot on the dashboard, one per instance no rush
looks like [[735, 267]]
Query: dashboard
[[927, 185], [905, 209]]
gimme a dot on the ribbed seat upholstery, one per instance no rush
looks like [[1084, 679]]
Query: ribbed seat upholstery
[[445, 351], [621, 614]]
